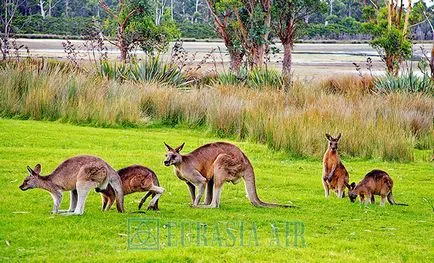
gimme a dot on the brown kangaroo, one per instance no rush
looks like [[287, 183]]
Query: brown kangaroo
[[376, 182], [212, 165], [135, 178], [334, 175], [77, 174]]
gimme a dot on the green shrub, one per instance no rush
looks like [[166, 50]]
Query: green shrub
[[255, 79], [406, 82], [151, 70], [196, 30]]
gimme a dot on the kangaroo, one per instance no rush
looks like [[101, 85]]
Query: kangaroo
[[334, 175], [135, 178], [376, 182], [78, 175], [212, 165]]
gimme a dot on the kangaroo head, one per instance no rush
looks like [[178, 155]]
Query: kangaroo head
[[333, 142], [173, 157], [31, 181], [351, 193]]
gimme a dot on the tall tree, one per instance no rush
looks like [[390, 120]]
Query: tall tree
[[121, 16], [9, 10], [224, 21], [390, 33], [135, 26], [288, 15], [254, 23]]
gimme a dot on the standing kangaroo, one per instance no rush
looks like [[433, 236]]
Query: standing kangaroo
[[78, 174], [135, 178], [376, 182], [212, 165], [334, 175]]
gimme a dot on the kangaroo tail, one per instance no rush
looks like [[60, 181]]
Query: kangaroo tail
[[116, 183], [392, 200], [249, 179]]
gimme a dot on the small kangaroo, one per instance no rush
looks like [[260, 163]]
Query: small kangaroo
[[77, 174], [376, 182], [334, 175], [135, 178], [212, 165]]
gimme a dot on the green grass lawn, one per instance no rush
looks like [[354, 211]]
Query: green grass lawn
[[335, 230]]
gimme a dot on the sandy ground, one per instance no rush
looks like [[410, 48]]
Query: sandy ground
[[309, 60]]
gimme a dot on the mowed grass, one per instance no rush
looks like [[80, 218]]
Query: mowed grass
[[335, 230]]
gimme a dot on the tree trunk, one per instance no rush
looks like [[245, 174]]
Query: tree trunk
[[41, 6], [196, 10], [236, 61], [257, 54], [122, 44], [172, 7], [331, 7], [67, 8], [389, 64], [50, 7], [392, 64], [431, 64], [287, 59]]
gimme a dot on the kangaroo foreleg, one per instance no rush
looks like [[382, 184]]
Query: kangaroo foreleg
[[57, 199], [192, 190], [326, 188], [201, 190], [330, 175]]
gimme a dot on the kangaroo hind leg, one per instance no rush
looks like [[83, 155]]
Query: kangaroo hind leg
[[157, 191]]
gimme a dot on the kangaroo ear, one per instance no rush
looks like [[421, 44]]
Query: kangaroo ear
[[31, 172], [352, 185], [328, 137], [37, 169], [339, 136], [168, 147], [179, 148]]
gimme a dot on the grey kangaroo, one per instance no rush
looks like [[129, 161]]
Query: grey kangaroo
[[376, 182], [135, 178], [77, 174], [212, 165]]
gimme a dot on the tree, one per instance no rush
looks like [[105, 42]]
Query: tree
[[390, 34], [135, 26], [9, 8], [121, 17], [287, 17], [224, 21], [254, 24]]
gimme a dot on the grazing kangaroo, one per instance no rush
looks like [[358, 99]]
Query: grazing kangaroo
[[334, 175], [212, 165], [77, 174], [135, 178], [376, 182]]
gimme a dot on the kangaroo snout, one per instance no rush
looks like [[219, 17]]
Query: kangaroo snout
[[166, 163], [23, 188]]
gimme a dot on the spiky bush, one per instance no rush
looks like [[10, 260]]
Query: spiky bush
[[406, 82], [259, 79], [152, 69]]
